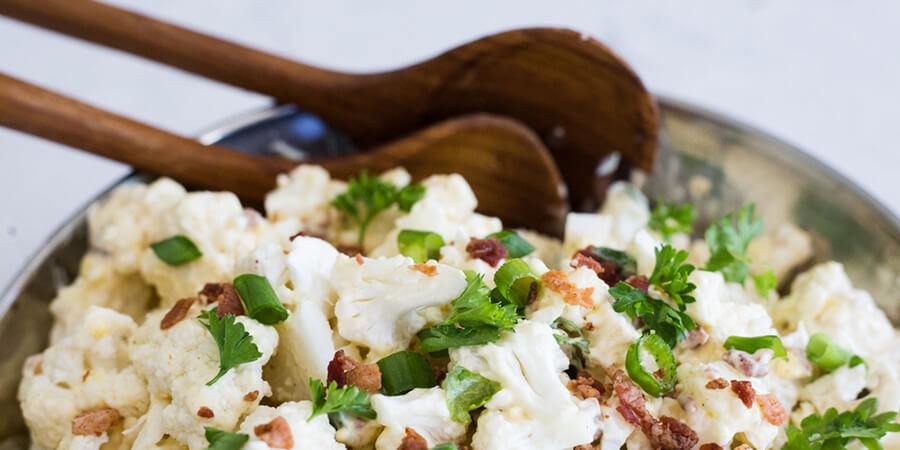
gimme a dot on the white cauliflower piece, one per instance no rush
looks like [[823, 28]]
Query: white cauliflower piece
[[534, 409], [315, 434], [549, 304], [216, 223], [121, 224], [179, 361], [91, 442], [455, 254], [89, 369], [724, 310], [379, 300], [98, 284], [423, 410], [303, 198]]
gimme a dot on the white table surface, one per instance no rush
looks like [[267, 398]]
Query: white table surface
[[823, 74]]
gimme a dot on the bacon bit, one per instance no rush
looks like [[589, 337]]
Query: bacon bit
[[413, 441], [349, 250], [696, 337], [299, 234], [669, 432], [639, 282], [772, 409], [610, 273], [585, 386], [744, 391], [490, 250], [94, 422], [84, 377], [344, 370], [276, 434], [229, 302], [588, 326], [251, 396], [427, 269], [206, 413], [211, 292], [718, 383], [558, 281], [177, 313], [711, 446], [532, 294], [755, 365], [582, 260], [359, 259], [666, 432]]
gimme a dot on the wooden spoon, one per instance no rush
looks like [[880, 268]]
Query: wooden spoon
[[510, 171], [581, 98]]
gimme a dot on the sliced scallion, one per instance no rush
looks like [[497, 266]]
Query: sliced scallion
[[260, 300], [752, 344], [176, 250], [514, 281], [655, 381], [404, 371], [420, 245], [856, 360], [825, 354], [515, 245]]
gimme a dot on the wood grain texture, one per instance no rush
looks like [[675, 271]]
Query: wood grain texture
[[579, 97], [510, 171]]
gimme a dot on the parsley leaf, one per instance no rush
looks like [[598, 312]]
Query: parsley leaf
[[669, 219], [475, 305], [348, 398], [833, 430], [367, 196], [627, 265], [728, 240], [765, 282], [441, 337], [467, 391], [656, 315], [515, 245], [671, 273], [223, 440], [235, 344]]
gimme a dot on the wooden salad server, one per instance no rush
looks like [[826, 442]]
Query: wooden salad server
[[582, 99], [510, 171]]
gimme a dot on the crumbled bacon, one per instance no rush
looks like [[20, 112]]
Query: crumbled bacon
[[349, 250], [205, 412], [755, 365], [490, 250], [276, 434], [639, 282], [711, 446], [559, 282], [772, 409], [427, 269], [665, 432], [744, 391], [344, 370], [610, 273], [669, 432], [229, 302], [585, 386], [696, 337], [94, 422], [582, 260], [251, 396], [211, 292], [413, 441], [299, 234], [176, 314], [718, 383], [359, 259]]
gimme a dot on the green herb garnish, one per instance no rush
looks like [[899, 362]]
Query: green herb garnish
[[515, 245], [516, 282], [835, 431], [752, 344], [671, 275], [442, 337], [728, 240], [660, 380], [367, 196], [176, 250], [404, 371], [467, 391], [346, 399], [627, 264], [825, 354], [223, 440], [668, 219], [573, 337], [260, 299], [656, 315], [765, 282], [420, 245], [475, 305], [235, 344]]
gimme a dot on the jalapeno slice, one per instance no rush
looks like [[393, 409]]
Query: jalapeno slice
[[658, 380]]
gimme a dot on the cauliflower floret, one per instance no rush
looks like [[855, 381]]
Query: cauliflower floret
[[423, 410], [315, 434], [99, 284], [179, 361], [533, 409], [303, 198], [446, 209], [455, 254], [121, 224], [379, 299], [90, 442], [549, 304], [89, 369], [216, 223], [823, 298], [724, 310]]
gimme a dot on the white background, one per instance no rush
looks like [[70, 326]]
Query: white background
[[823, 74]]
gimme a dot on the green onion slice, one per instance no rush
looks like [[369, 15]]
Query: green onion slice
[[420, 245], [260, 299], [176, 250], [223, 440], [404, 371], [752, 344], [655, 381], [856, 360], [514, 280], [825, 354], [447, 446], [467, 391], [515, 245]]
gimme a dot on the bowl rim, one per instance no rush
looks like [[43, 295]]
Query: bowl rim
[[219, 130]]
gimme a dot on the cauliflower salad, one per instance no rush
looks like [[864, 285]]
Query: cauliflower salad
[[382, 314]]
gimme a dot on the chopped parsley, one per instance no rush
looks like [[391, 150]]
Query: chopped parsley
[[223, 440], [475, 305], [235, 344], [671, 273], [668, 219], [728, 240], [367, 196], [346, 399], [467, 391], [835, 431]]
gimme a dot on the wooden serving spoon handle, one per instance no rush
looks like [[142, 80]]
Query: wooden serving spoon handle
[[580, 98], [510, 171]]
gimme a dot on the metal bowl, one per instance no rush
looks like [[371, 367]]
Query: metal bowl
[[735, 164]]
